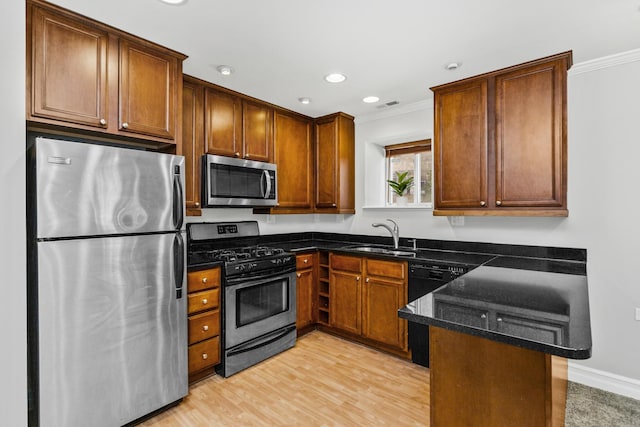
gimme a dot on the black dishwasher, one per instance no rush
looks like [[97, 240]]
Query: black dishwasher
[[426, 277]]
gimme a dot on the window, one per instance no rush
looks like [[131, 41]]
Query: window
[[416, 159]]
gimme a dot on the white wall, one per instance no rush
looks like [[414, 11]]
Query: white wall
[[13, 374]]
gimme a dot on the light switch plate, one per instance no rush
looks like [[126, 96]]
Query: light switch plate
[[637, 313]]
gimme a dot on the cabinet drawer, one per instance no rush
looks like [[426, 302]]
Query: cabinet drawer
[[346, 263], [304, 261], [204, 300], [204, 354], [203, 326], [390, 269], [203, 279]]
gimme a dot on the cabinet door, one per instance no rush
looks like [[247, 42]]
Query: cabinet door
[[460, 145], [257, 131], [530, 153], [147, 95], [345, 302], [69, 70], [326, 164], [305, 298], [223, 124], [381, 323], [294, 157], [192, 143]]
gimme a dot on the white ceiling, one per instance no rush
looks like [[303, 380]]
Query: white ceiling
[[394, 49]]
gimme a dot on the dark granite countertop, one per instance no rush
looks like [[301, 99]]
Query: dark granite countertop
[[531, 296], [537, 304]]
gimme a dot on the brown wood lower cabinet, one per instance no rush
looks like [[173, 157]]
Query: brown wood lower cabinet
[[365, 295], [306, 290], [204, 322]]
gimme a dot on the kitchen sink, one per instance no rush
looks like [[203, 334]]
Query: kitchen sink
[[383, 251]]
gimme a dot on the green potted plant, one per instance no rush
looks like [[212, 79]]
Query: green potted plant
[[401, 186]]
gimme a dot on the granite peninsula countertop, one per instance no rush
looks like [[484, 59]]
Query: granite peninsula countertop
[[541, 305]]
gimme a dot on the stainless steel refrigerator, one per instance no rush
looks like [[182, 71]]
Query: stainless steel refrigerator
[[106, 283]]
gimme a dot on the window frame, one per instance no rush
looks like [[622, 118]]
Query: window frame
[[413, 147]]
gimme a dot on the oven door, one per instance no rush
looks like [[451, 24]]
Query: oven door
[[257, 306]]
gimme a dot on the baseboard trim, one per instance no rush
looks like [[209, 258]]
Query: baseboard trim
[[604, 380]]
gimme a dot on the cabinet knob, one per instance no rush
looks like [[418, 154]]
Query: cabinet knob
[[125, 125], [366, 280], [197, 204], [246, 156], [298, 275], [204, 280], [482, 203], [333, 205], [236, 154], [498, 203], [357, 278], [483, 316], [205, 356], [205, 328], [205, 301], [103, 122], [305, 260], [499, 319]]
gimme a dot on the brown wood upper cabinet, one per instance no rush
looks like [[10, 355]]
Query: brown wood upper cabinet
[[89, 76], [237, 127], [293, 153], [335, 164], [192, 143], [500, 141]]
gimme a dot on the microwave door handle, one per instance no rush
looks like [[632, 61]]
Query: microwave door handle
[[267, 179]]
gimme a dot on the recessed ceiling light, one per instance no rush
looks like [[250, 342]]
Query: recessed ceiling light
[[453, 66], [174, 2], [335, 78], [304, 100], [370, 99], [225, 70]]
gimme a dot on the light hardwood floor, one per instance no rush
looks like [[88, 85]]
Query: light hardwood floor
[[322, 381]]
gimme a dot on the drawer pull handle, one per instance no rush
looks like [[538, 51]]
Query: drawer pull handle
[[205, 356], [205, 328], [204, 280], [205, 301]]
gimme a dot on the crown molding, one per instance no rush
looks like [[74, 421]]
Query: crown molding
[[606, 62]]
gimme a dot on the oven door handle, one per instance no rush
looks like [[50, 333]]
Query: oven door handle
[[256, 278], [262, 341]]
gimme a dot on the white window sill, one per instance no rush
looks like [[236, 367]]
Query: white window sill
[[410, 207]]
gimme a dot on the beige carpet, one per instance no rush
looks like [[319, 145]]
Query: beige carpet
[[592, 407]]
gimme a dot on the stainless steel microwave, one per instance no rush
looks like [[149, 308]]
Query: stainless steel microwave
[[230, 182]]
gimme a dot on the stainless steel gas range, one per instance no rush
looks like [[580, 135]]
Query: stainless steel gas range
[[259, 291]]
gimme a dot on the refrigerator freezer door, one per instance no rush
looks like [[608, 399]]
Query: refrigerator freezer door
[[87, 190], [112, 329]]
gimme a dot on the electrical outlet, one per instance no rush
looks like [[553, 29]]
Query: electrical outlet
[[456, 221], [637, 313]]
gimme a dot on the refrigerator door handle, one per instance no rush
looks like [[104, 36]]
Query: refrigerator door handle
[[177, 202], [178, 263]]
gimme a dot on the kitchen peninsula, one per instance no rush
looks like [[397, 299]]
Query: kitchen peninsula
[[500, 338]]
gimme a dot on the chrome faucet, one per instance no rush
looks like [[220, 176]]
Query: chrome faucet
[[395, 231]]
